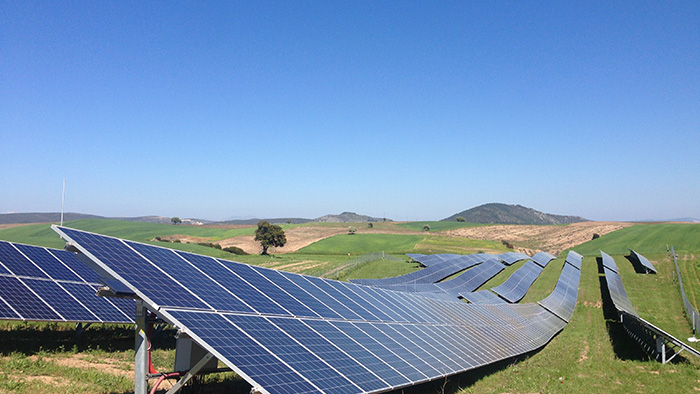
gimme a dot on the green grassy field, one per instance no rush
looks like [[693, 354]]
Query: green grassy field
[[591, 355]]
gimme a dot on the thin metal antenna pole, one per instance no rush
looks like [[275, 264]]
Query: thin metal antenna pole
[[63, 200]]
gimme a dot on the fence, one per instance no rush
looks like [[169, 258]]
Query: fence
[[690, 310]]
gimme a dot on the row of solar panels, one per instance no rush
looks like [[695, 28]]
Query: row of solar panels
[[690, 310], [290, 333], [654, 340], [53, 285], [483, 268]]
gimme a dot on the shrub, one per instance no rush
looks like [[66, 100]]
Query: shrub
[[461, 219], [209, 244], [426, 228], [596, 235], [235, 250], [507, 244], [352, 230], [370, 225]]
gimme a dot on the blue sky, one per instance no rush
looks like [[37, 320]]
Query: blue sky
[[404, 110]]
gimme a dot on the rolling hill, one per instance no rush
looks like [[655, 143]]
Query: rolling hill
[[496, 213]]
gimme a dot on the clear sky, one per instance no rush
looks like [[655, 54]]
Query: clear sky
[[405, 110]]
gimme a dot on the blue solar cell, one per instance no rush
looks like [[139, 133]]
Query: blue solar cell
[[382, 350], [617, 291], [102, 307], [26, 303], [608, 261], [309, 285], [296, 356], [359, 349], [482, 297], [17, 263], [220, 269], [563, 299], [70, 260], [6, 312], [380, 302], [135, 269], [410, 366], [336, 358], [574, 259], [60, 300], [48, 263], [517, 285], [395, 333], [209, 291], [543, 258], [252, 359], [314, 304]]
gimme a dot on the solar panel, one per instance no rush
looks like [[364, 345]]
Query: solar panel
[[517, 285], [562, 301], [608, 261], [512, 257], [483, 297], [376, 340], [648, 267], [654, 340], [449, 265], [543, 258], [574, 259], [53, 285]]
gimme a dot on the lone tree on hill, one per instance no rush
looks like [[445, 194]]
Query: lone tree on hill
[[461, 219], [176, 220], [269, 235]]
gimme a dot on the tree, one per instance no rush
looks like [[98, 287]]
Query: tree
[[461, 219], [175, 220], [426, 228], [269, 235], [370, 225], [352, 230]]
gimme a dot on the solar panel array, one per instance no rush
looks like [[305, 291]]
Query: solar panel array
[[438, 268], [290, 333], [562, 301], [648, 267], [517, 285], [53, 285], [654, 340]]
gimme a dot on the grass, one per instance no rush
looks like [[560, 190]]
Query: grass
[[436, 226], [592, 354]]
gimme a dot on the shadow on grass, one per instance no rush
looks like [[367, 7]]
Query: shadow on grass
[[636, 264], [31, 338], [624, 346]]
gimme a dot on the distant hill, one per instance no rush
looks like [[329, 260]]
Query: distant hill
[[347, 217], [511, 214], [55, 217], [254, 221]]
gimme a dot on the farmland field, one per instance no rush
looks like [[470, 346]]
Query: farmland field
[[591, 355]]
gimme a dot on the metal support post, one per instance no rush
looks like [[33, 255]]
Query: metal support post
[[190, 374], [661, 348], [141, 351]]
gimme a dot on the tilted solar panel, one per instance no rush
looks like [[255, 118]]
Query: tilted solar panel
[[562, 301], [648, 267], [431, 274], [517, 285], [654, 340], [53, 285], [483, 297], [376, 340], [608, 261], [543, 258], [511, 257]]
